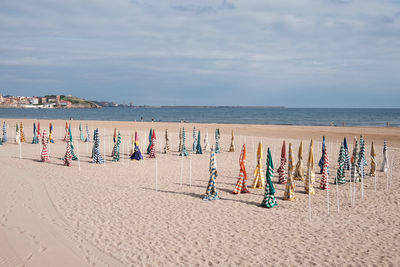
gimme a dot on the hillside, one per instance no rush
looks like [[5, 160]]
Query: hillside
[[79, 102]]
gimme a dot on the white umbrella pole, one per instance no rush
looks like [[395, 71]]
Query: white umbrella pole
[[190, 172], [104, 145], [181, 170], [20, 151], [156, 174]]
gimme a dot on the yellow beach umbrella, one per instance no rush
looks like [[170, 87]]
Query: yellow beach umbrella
[[309, 181], [259, 178], [299, 172]]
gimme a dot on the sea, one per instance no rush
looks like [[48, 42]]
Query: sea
[[376, 117]]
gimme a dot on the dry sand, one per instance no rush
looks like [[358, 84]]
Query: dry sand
[[111, 214]]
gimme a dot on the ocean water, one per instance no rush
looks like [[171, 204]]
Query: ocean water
[[240, 115]]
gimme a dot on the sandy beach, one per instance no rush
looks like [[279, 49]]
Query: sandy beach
[[112, 214]]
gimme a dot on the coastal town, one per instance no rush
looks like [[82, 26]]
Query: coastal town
[[48, 101]]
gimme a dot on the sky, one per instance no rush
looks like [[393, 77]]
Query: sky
[[303, 53]]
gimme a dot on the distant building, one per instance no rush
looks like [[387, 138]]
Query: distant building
[[65, 104], [43, 100], [34, 100]]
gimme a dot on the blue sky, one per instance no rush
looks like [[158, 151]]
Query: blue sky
[[303, 53]]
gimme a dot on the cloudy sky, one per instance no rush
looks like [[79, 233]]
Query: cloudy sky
[[303, 53]]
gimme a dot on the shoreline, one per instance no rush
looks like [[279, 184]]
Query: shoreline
[[336, 133]]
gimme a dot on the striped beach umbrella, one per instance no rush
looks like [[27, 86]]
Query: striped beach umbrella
[[44, 155], [74, 157], [97, 158], [362, 162], [4, 139], [347, 162], [372, 171], [87, 134], [198, 147], [290, 185], [321, 160], [299, 171], [194, 145], [309, 180], [35, 139], [281, 169], [117, 148], [340, 174], [68, 155], [183, 151], [206, 143], [232, 146], [21, 132], [354, 172], [269, 200], [166, 147], [241, 186], [217, 136], [324, 183], [180, 140], [17, 134], [259, 178], [66, 131], [385, 162], [152, 153], [211, 192], [81, 132]]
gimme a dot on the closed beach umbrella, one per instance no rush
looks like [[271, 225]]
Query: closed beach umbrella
[[38, 131], [198, 148], [309, 180], [340, 174], [194, 145], [206, 143], [117, 148], [232, 146], [354, 159], [97, 158], [17, 134], [217, 146], [347, 162], [66, 131], [321, 160], [68, 155], [211, 192], [290, 185], [166, 147], [281, 169], [74, 157], [299, 171], [259, 178], [183, 151], [87, 134], [152, 153], [51, 132], [241, 186], [385, 162], [44, 155], [362, 162], [373, 164], [4, 139], [324, 184], [35, 137], [269, 200], [150, 136], [21, 131]]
